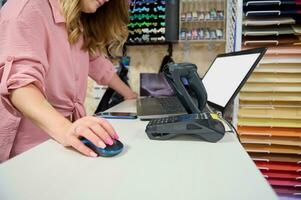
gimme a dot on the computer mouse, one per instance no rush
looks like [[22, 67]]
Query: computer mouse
[[108, 151]]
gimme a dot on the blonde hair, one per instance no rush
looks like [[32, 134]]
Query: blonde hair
[[104, 31]]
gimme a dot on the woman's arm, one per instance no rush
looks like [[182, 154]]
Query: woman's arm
[[33, 105], [119, 86]]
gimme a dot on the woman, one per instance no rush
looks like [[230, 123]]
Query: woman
[[48, 48]]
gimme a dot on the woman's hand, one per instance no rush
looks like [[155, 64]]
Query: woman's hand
[[119, 86], [132, 95], [98, 130], [42, 114]]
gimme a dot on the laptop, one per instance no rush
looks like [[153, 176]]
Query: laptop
[[157, 98], [223, 81]]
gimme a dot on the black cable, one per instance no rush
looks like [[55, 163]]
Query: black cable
[[170, 49], [230, 124]]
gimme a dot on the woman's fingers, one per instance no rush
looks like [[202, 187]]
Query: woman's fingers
[[97, 130], [91, 136], [101, 133], [79, 146], [92, 130], [94, 133], [106, 126], [133, 95]]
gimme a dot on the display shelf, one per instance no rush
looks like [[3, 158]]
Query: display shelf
[[202, 20], [269, 103], [153, 21], [202, 41], [146, 43]]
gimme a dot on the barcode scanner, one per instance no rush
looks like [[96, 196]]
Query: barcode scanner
[[186, 83]]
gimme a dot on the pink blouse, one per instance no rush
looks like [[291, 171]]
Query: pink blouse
[[34, 49]]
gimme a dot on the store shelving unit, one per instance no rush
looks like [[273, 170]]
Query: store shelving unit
[[269, 116], [222, 15], [202, 21]]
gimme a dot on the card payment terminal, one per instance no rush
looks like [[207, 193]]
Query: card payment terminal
[[189, 89]]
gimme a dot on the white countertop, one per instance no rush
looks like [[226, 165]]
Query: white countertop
[[145, 170]]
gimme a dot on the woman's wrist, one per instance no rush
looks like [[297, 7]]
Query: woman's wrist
[[119, 86]]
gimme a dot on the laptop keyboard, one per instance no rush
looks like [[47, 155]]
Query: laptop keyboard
[[170, 105], [151, 108]]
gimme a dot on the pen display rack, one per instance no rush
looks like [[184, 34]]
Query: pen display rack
[[202, 20], [150, 21]]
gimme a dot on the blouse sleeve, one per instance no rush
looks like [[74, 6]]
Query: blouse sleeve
[[101, 70], [22, 57]]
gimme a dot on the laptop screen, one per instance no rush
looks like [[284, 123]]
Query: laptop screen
[[155, 85], [227, 75], [223, 80]]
